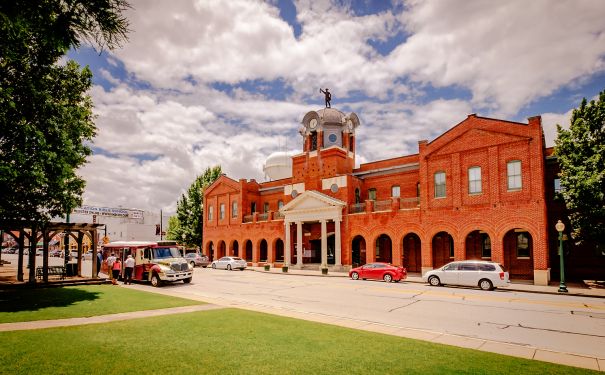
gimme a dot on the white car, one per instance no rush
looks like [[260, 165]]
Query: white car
[[230, 263], [484, 274]]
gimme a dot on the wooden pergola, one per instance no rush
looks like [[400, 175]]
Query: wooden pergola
[[77, 231]]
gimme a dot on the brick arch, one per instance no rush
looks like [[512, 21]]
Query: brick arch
[[234, 248], [415, 229], [221, 249], [441, 243], [411, 251], [384, 242], [209, 249], [247, 252], [263, 250], [358, 252], [278, 248], [519, 267], [474, 242]]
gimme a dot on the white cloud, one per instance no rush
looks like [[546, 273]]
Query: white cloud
[[156, 140], [507, 53]]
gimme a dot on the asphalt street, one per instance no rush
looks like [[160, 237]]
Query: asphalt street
[[561, 323]]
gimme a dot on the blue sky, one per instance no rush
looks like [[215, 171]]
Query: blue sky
[[204, 83]]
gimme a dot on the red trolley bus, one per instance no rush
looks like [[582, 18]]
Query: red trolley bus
[[156, 262]]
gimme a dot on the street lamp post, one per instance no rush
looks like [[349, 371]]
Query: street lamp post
[[560, 228]]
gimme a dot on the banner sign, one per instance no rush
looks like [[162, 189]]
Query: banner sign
[[103, 211]]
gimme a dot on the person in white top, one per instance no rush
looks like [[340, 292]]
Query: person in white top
[[128, 268], [110, 260]]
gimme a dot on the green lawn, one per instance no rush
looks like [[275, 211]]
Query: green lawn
[[79, 301], [232, 341]]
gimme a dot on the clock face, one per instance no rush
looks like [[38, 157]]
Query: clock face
[[350, 124], [313, 123]]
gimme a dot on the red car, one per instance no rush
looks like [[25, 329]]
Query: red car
[[379, 271]]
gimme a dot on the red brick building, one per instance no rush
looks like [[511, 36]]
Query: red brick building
[[478, 191]]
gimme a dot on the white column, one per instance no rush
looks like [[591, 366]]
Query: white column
[[288, 249], [337, 245], [299, 247], [324, 244]]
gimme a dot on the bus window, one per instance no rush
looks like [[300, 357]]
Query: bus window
[[147, 254]]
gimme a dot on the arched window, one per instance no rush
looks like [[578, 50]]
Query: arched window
[[280, 204]]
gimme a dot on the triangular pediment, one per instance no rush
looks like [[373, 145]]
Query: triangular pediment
[[223, 185], [312, 200], [474, 138]]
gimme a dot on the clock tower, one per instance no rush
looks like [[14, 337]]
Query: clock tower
[[328, 147]]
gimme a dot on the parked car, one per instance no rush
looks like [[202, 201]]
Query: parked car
[[484, 274], [55, 253], [196, 259], [379, 271], [229, 263]]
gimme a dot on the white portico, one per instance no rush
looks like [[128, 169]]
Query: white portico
[[312, 207]]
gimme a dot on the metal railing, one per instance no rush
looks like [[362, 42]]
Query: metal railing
[[357, 208], [383, 205], [248, 218], [409, 203], [262, 217], [278, 215]]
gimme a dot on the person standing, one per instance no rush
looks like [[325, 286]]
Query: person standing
[[128, 268], [116, 268], [110, 261], [99, 262]]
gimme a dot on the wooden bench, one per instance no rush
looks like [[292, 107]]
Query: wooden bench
[[52, 271]]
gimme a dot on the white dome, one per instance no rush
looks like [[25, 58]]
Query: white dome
[[278, 165]]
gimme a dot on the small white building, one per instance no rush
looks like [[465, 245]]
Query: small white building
[[123, 224]]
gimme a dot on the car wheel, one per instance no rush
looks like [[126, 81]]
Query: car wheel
[[213, 266], [387, 278], [187, 280], [192, 264], [204, 266], [155, 280], [355, 276], [434, 281], [228, 267], [485, 284]]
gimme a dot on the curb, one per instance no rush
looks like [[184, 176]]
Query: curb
[[508, 289]]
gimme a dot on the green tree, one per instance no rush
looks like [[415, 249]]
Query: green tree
[[189, 209], [174, 231], [581, 155], [46, 119]]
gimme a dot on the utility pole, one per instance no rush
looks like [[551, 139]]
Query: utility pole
[[161, 226]]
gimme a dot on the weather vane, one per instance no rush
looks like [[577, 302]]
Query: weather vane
[[328, 96]]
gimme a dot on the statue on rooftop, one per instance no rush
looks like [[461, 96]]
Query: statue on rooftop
[[328, 97]]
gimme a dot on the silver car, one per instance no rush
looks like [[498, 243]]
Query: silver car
[[196, 259], [230, 263], [484, 274]]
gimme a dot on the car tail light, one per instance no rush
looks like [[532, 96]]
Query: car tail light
[[501, 275]]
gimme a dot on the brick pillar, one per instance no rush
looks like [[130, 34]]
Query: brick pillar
[[426, 252]]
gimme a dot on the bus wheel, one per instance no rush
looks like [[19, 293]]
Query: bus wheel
[[187, 280], [155, 280]]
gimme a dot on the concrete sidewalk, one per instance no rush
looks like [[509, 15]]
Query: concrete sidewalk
[[574, 289]]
